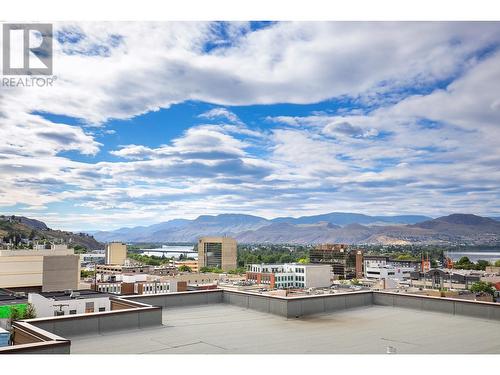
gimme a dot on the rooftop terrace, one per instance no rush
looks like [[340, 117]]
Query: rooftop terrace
[[226, 329], [223, 321]]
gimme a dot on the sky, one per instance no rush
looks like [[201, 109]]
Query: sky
[[148, 122]]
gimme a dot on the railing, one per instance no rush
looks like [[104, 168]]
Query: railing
[[31, 339], [49, 335]]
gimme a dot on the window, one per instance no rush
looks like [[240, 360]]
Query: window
[[89, 307], [213, 254], [101, 309]]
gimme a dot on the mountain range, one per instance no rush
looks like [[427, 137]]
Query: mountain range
[[331, 227]]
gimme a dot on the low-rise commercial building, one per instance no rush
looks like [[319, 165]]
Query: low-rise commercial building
[[400, 266], [493, 270], [39, 270], [135, 269], [69, 302], [383, 267], [139, 285], [92, 258], [123, 284], [290, 275], [388, 272], [441, 278], [115, 269]]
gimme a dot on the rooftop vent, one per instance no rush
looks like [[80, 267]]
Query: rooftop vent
[[75, 294]]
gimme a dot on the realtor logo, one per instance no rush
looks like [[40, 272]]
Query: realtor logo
[[27, 49]]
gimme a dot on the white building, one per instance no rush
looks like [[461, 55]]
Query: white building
[[383, 267], [291, 275], [137, 284], [69, 303], [387, 272]]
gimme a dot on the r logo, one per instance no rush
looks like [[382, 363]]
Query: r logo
[[27, 49]]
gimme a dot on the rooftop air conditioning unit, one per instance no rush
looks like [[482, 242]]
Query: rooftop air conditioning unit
[[20, 294], [68, 292]]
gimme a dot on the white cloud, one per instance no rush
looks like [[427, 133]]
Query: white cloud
[[218, 113], [371, 160]]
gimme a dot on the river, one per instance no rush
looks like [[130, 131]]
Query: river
[[489, 255], [171, 251]]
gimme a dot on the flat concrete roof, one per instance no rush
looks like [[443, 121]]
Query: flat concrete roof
[[228, 329]]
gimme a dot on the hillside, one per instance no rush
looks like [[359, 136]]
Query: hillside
[[18, 228], [332, 227], [249, 226], [452, 229]]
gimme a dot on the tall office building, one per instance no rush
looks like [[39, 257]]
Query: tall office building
[[217, 252], [116, 253]]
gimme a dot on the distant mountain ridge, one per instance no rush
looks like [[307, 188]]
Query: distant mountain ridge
[[332, 227], [182, 230], [346, 218]]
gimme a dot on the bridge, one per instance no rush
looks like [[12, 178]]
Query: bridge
[[168, 251]]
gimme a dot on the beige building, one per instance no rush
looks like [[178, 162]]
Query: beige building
[[217, 252], [116, 253], [49, 270]]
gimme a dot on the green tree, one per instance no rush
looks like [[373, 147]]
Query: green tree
[[463, 261], [497, 263], [482, 264], [355, 282], [237, 271], [406, 256], [482, 286], [185, 268], [15, 313], [211, 270], [30, 312], [84, 274], [80, 249]]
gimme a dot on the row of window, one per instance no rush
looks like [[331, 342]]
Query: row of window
[[89, 308], [275, 270], [290, 278], [110, 288], [155, 288]]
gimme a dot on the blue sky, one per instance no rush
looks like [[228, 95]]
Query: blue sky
[[154, 121]]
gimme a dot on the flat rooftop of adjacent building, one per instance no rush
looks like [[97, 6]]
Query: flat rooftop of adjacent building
[[8, 298], [228, 329], [83, 293]]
